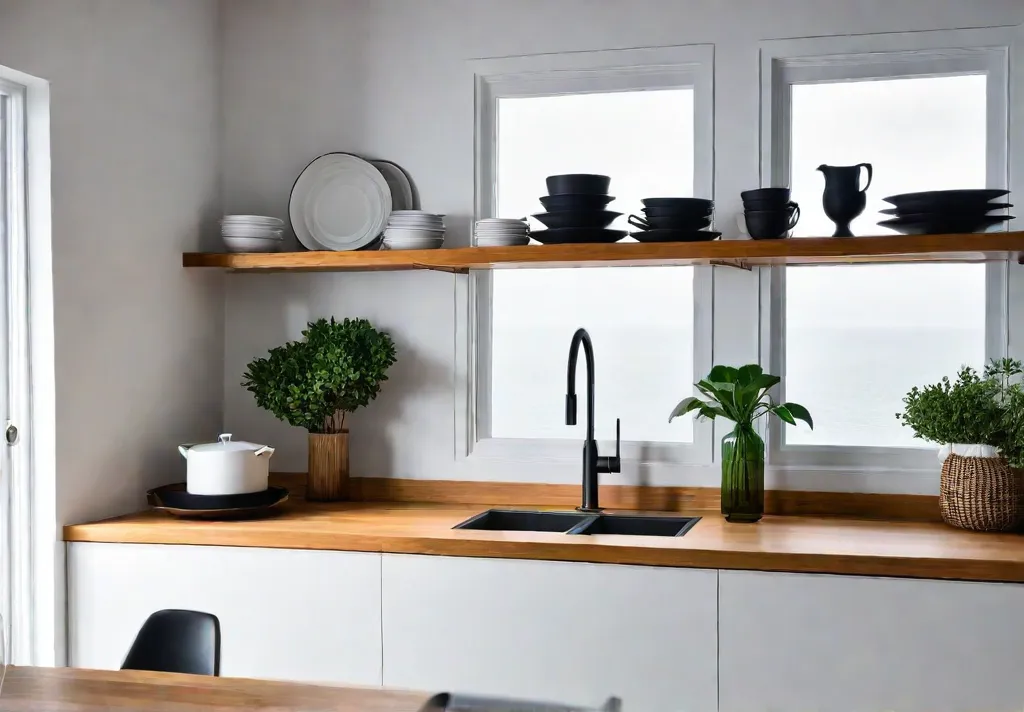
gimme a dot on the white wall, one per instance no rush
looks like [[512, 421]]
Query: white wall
[[134, 116], [138, 340], [389, 78]]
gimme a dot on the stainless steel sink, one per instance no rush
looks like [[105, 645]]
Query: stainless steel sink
[[636, 525], [510, 520], [517, 521]]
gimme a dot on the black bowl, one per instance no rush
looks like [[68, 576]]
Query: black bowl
[[693, 213], [678, 222], [576, 235], [680, 205], [578, 183], [776, 195], [598, 219], [575, 202]]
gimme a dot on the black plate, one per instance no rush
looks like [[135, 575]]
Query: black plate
[[930, 200], [176, 500], [575, 201], [675, 235], [576, 235], [944, 226], [599, 219], [944, 210]]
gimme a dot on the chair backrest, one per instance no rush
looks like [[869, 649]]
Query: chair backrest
[[177, 641]]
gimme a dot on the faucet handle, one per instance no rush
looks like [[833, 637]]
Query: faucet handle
[[613, 464]]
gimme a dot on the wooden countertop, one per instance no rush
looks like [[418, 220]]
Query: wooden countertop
[[777, 543], [31, 689]]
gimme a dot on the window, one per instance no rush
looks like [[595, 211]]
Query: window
[[850, 341], [650, 325], [641, 319]]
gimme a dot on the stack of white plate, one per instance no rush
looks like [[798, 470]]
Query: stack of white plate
[[501, 232], [414, 230], [252, 233]]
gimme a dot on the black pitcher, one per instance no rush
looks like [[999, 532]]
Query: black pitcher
[[844, 199]]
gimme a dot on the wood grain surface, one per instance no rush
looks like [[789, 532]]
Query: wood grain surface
[[30, 689], [777, 543], [742, 253]]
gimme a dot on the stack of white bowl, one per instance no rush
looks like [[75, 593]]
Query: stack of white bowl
[[501, 232], [413, 230], [252, 233]]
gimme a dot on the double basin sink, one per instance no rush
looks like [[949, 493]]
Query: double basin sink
[[578, 523]]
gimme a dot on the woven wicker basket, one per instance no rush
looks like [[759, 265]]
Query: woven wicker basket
[[981, 493]]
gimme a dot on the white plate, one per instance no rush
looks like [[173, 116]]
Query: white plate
[[256, 219], [339, 202], [417, 212], [401, 187], [412, 232], [252, 244]]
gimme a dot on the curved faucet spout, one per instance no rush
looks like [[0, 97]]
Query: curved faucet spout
[[580, 337]]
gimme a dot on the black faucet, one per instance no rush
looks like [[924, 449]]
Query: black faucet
[[592, 462]]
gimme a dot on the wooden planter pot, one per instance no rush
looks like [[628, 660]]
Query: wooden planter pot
[[327, 480]]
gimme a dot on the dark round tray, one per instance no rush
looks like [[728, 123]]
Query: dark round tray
[[175, 499]]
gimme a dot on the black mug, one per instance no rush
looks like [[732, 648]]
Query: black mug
[[770, 224]]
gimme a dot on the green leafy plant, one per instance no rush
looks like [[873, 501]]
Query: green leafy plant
[[986, 409], [741, 395], [314, 383]]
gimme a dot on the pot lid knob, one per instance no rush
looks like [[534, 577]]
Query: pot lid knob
[[224, 437]]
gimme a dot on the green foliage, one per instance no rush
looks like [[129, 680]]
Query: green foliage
[[334, 369], [985, 409], [741, 395]]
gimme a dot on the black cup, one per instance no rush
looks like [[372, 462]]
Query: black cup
[[768, 204], [778, 196], [578, 184], [770, 224]]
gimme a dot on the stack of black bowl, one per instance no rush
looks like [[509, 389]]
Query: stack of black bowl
[[675, 220], [769, 213], [940, 212], [576, 213]]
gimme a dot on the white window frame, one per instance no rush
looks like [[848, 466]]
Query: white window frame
[[818, 60], [33, 557], [560, 74]]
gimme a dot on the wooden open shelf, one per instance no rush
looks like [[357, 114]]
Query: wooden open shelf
[[982, 247]]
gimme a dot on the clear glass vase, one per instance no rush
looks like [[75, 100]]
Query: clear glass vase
[[742, 475]]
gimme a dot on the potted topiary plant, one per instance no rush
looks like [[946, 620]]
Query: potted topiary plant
[[741, 395], [314, 383], [978, 422]]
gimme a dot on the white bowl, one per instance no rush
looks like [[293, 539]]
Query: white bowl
[[417, 213], [408, 243], [252, 232], [252, 220], [252, 244], [403, 232]]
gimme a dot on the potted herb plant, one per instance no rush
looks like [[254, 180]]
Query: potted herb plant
[[978, 420], [742, 396], [315, 383]]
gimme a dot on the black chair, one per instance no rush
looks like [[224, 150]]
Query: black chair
[[177, 641]]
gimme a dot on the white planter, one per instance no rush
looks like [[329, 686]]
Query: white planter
[[226, 467]]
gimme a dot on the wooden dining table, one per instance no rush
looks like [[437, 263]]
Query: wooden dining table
[[36, 689]]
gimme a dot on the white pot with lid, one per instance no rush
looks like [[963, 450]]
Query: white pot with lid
[[226, 466]]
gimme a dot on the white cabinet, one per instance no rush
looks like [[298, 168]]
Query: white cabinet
[[284, 613], [565, 632], [843, 643]]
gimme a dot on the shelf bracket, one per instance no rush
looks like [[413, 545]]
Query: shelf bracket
[[736, 264]]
